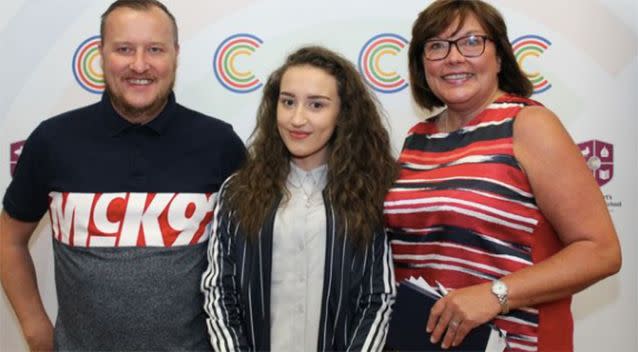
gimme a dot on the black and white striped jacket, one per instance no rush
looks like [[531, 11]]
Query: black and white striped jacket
[[358, 289]]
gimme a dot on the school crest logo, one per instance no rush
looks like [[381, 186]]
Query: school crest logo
[[599, 156], [15, 149]]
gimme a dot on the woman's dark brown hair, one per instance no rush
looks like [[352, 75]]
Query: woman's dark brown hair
[[361, 167], [435, 19]]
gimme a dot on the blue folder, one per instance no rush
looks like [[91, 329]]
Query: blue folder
[[410, 317]]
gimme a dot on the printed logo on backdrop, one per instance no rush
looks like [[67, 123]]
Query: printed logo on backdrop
[[376, 73], [226, 67], [532, 46], [599, 156], [86, 65], [15, 149]]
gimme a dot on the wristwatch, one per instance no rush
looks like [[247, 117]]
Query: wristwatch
[[499, 289]]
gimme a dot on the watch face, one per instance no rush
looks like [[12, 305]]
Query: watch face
[[499, 288]]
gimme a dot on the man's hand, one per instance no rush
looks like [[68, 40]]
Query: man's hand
[[17, 275], [39, 334]]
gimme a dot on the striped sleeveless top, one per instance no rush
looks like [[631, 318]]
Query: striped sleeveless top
[[462, 212]]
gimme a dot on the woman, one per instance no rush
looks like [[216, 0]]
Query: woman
[[298, 258], [494, 200]]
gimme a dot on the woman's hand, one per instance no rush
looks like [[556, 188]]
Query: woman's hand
[[460, 311]]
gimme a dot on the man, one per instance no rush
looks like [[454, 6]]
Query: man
[[129, 185]]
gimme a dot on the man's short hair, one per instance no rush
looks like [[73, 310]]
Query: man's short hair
[[142, 5]]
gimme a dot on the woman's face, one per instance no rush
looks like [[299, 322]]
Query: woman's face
[[307, 113], [464, 83]]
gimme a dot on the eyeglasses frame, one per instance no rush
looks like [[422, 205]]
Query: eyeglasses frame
[[454, 42]]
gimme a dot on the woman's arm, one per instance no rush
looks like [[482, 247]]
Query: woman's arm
[[378, 293], [220, 286], [568, 196]]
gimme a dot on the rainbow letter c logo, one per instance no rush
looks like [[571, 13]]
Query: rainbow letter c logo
[[369, 62], [86, 65], [532, 45], [225, 68]]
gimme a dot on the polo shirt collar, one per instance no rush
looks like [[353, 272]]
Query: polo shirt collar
[[115, 124]]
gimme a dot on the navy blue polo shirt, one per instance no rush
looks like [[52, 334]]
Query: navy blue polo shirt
[[130, 209]]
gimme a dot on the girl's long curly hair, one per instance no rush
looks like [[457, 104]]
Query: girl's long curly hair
[[361, 167]]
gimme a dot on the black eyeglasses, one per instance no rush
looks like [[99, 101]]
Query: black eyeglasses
[[469, 46]]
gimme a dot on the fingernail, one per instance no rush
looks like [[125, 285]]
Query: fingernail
[[432, 339]]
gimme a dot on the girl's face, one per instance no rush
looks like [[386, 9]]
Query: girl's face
[[307, 113]]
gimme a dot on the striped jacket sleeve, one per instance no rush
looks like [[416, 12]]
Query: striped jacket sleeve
[[220, 285], [376, 298]]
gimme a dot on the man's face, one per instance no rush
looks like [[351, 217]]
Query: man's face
[[139, 60]]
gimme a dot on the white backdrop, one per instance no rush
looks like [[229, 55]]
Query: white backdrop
[[582, 55]]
